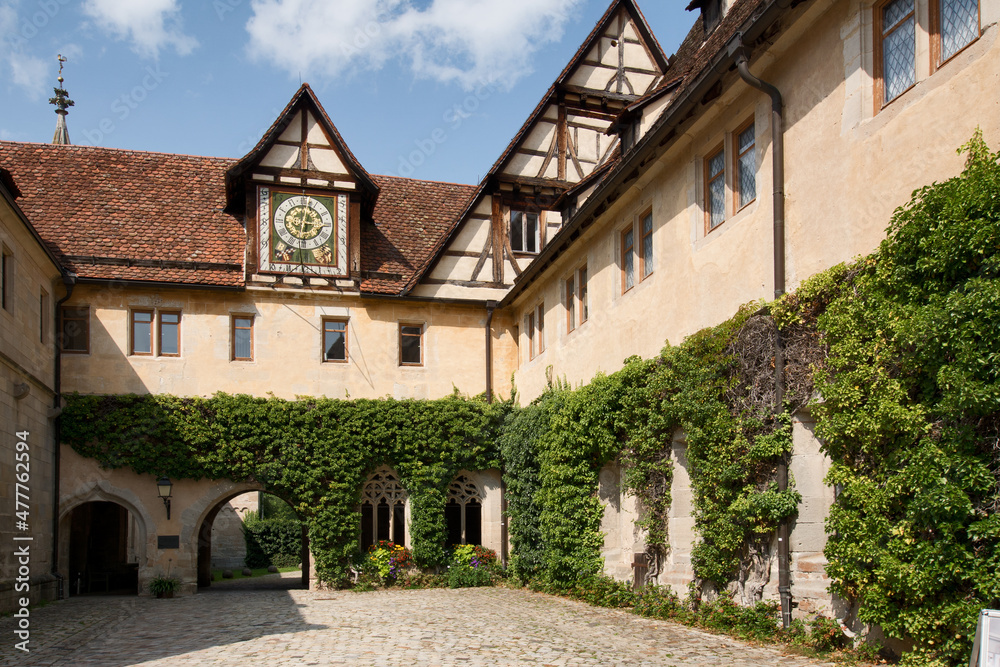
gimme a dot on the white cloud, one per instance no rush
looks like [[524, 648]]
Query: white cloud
[[23, 69], [150, 25], [462, 41]]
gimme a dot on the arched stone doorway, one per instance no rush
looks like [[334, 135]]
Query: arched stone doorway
[[106, 542], [205, 541]]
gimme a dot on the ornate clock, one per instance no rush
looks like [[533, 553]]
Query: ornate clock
[[303, 222], [303, 233]]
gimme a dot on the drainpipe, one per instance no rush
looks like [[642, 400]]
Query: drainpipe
[[69, 280], [490, 307], [737, 49]]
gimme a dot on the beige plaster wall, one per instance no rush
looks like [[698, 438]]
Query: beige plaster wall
[[847, 169], [287, 346], [27, 361]]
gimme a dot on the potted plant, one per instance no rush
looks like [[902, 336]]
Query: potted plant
[[163, 587]]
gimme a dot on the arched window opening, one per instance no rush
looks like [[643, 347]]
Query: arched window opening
[[383, 509], [464, 512]]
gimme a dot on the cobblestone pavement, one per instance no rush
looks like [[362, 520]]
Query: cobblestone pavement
[[485, 626]]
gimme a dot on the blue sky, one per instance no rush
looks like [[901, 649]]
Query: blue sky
[[208, 77]]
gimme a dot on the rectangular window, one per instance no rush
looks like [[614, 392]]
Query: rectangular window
[[410, 348], [646, 247], [581, 279], [570, 303], [6, 271], [75, 337], [540, 326], [43, 317], [746, 166], [531, 335], [169, 334], [335, 341], [524, 232], [628, 260], [141, 332], [242, 337], [715, 189], [895, 52], [955, 25]]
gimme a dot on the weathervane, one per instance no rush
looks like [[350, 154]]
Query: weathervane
[[61, 99], [61, 102]]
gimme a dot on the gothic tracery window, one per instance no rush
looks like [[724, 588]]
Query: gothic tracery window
[[464, 512], [383, 509]]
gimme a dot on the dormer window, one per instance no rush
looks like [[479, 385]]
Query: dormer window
[[524, 232], [711, 13]]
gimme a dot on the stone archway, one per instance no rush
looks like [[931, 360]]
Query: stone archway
[[103, 542], [204, 533]]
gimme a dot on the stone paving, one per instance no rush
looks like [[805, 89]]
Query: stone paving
[[234, 625]]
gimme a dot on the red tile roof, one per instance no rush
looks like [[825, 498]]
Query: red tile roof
[[412, 219], [128, 205], [114, 214]]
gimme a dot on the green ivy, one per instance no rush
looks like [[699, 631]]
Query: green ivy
[[911, 418], [313, 453]]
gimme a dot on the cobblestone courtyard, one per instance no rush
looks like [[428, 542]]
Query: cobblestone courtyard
[[491, 626]]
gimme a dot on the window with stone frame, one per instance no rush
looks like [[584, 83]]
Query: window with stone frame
[[464, 512], [75, 335], [954, 25], [645, 245], [141, 332], [383, 509], [628, 258], [715, 189], [6, 279], [895, 49], [745, 163], [168, 333]]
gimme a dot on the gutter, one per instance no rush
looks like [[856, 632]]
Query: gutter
[[649, 148], [490, 307], [737, 49], [69, 280]]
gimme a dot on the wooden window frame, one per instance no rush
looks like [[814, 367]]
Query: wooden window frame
[[583, 308], [131, 331], [539, 237], [571, 304], [877, 52], [708, 180], [420, 340], [159, 332], [64, 319], [643, 238], [626, 255], [347, 340], [232, 335], [935, 7], [738, 203]]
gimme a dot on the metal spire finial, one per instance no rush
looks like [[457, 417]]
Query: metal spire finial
[[61, 102]]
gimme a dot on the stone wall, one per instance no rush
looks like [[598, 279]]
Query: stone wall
[[229, 548]]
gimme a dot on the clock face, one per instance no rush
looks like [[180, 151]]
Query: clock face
[[303, 223]]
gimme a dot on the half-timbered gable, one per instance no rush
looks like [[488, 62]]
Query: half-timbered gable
[[304, 195], [565, 141]]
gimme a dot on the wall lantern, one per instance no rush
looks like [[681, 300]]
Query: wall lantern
[[164, 487]]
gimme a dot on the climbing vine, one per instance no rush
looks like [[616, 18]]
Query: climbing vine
[[314, 453]]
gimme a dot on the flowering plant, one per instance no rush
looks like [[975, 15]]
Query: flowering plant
[[386, 560]]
